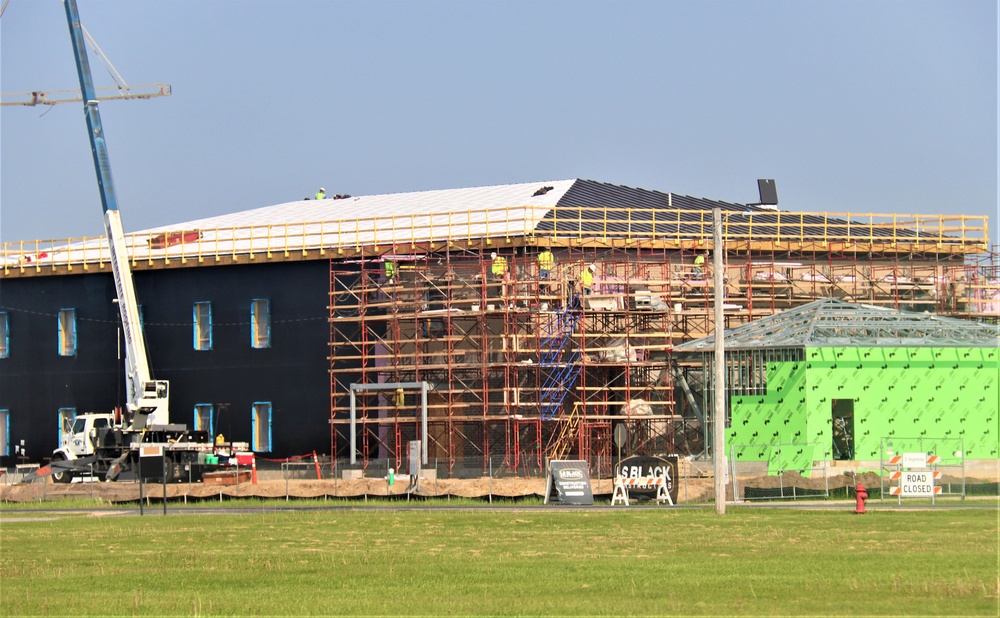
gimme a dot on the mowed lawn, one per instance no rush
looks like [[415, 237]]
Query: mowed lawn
[[551, 561]]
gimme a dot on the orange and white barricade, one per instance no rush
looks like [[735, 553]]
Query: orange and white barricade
[[622, 485]]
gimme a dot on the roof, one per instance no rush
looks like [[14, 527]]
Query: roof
[[522, 209], [604, 207], [563, 208], [560, 207], [388, 205], [832, 322]]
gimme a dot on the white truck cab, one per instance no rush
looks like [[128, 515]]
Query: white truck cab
[[79, 439]]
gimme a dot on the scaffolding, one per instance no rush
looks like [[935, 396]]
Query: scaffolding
[[524, 369]]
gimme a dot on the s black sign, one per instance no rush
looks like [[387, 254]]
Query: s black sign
[[646, 474]]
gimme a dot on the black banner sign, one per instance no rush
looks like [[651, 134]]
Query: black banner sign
[[644, 476], [151, 463], [568, 482]]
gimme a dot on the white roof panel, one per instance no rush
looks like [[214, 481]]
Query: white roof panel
[[476, 212], [385, 206]]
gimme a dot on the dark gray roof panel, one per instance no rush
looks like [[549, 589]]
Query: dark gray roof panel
[[594, 197], [833, 322]]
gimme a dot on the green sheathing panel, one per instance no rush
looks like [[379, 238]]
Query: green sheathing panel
[[924, 394], [908, 393], [772, 426]]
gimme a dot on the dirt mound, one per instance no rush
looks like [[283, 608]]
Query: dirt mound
[[690, 490], [129, 491], [794, 479], [699, 489]]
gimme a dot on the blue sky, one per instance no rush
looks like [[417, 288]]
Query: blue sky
[[851, 106]]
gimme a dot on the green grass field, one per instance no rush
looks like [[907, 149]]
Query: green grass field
[[551, 561]]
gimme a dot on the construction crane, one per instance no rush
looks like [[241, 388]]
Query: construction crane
[[146, 397], [120, 91], [109, 443], [52, 97]]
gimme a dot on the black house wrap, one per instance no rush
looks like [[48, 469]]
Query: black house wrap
[[292, 374]]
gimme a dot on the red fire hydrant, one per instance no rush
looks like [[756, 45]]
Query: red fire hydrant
[[861, 495]]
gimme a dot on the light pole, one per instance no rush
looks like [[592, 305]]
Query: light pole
[[719, 409]]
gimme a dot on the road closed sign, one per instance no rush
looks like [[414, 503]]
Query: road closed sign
[[916, 484]]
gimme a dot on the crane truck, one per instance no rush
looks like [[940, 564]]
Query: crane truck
[[107, 444]]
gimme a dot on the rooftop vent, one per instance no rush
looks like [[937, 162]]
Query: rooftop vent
[[768, 193]]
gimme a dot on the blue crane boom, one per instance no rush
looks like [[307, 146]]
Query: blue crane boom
[[148, 399]]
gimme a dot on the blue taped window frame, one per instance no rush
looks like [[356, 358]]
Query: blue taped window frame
[[199, 409], [202, 325], [260, 323], [5, 422], [67, 332], [260, 409], [63, 413], [4, 334]]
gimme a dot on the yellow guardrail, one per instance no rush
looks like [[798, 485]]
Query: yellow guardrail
[[486, 226]]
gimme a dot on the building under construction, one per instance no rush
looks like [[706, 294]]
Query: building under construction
[[466, 336], [441, 326]]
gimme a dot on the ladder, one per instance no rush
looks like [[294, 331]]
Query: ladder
[[560, 376], [562, 444]]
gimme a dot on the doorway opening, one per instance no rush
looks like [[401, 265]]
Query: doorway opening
[[842, 420]]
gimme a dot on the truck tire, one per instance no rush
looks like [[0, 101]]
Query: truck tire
[[61, 476], [170, 470]]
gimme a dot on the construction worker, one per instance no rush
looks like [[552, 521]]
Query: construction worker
[[321, 194], [499, 267], [390, 271], [546, 261], [587, 278], [699, 265]]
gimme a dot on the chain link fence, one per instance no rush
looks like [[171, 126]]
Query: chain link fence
[[942, 457], [781, 471], [506, 477], [786, 471]]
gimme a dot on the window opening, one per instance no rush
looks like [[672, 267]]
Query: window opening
[[203, 326], [66, 418], [261, 426], [67, 332], [260, 323], [5, 433], [4, 335], [204, 417]]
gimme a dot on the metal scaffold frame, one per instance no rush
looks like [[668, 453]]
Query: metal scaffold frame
[[526, 369], [523, 369], [515, 372]]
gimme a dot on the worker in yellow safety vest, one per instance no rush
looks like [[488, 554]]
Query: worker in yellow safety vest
[[546, 261], [699, 265], [499, 267], [321, 194], [390, 271], [587, 278]]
